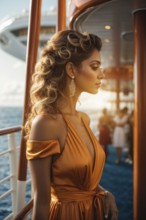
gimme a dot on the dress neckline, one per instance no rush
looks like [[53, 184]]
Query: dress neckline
[[90, 136]]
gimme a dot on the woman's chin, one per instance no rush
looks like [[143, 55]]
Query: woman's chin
[[93, 92]]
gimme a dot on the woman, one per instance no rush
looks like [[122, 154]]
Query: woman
[[119, 136], [104, 130], [65, 159]]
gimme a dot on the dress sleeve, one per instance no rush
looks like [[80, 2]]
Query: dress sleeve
[[41, 149]]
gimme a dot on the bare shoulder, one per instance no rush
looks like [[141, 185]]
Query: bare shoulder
[[85, 117], [44, 127]]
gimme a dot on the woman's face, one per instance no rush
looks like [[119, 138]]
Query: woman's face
[[89, 75]]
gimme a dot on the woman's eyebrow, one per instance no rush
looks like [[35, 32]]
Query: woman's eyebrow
[[96, 61]]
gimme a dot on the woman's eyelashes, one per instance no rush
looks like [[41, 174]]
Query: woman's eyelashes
[[95, 68]]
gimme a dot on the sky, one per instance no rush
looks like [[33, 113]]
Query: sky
[[12, 70]]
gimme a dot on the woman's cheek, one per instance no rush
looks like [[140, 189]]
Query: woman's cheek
[[88, 74]]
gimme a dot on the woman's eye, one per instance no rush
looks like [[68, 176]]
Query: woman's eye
[[95, 67]]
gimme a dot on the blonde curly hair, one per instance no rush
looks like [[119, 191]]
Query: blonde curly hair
[[49, 78]]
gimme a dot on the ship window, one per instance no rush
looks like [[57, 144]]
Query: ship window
[[3, 39], [43, 30], [20, 32], [42, 43], [24, 42], [47, 30]]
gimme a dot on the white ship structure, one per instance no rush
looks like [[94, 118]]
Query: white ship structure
[[13, 32]]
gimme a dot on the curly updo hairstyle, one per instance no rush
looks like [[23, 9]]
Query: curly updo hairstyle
[[49, 78]]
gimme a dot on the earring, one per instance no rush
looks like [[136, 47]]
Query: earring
[[72, 87]]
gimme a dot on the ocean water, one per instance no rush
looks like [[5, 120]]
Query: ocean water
[[9, 117]]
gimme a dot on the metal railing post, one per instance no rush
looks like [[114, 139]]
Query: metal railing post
[[13, 168]]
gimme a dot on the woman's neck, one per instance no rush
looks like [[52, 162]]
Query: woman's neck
[[68, 105]]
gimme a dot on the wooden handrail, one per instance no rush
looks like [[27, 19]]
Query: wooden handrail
[[26, 209], [10, 130]]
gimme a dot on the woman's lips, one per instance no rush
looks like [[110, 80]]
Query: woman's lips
[[98, 84]]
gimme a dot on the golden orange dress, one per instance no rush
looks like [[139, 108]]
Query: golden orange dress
[[74, 182]]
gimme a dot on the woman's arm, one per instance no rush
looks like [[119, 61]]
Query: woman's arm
[[40, 169], [40, 174]]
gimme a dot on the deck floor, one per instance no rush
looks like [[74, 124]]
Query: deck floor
[[118, 179]]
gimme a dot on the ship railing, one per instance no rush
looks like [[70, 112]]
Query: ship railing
[[12, 151], [25, 212]]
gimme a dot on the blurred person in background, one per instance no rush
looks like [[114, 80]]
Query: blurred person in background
[[119, 136], [104, 130], [130, 124]]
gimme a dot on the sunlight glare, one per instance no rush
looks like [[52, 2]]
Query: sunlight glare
[[93, 102]]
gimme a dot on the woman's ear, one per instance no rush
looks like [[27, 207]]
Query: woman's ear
[[70, 70]]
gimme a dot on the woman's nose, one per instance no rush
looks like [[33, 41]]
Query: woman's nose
[[101, 74]]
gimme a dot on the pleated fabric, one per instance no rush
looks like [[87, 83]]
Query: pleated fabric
[[75, 179]]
